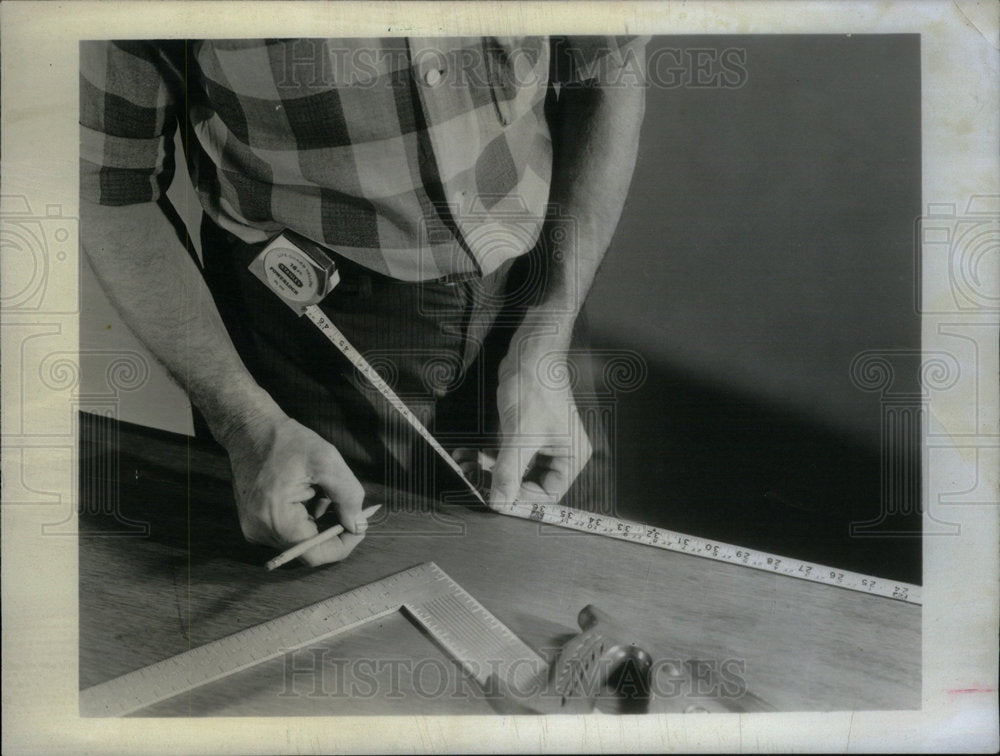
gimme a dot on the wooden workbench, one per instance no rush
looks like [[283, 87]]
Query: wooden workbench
[[164, 568]]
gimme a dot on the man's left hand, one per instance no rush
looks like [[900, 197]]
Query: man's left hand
[[543, 444]]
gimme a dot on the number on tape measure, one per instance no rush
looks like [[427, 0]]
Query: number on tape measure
[[323, 323], [613, 527]]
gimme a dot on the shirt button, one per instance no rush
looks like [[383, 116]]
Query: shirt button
[[432, 77]]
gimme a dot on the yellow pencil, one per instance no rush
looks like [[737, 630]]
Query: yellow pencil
[[301, 548]]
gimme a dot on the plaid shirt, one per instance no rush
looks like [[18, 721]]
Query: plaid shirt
[[417, 158]]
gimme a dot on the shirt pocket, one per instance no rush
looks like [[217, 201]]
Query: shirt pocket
[[516, 70], [503, 89]]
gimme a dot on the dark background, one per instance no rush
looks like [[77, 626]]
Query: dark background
[[766, 243]]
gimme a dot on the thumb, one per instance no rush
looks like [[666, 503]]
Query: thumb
[[346, 494], [507, 474]]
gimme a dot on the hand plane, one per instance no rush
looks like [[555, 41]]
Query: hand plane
[[603, 667]]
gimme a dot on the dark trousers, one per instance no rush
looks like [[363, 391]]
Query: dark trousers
[[438, 344]]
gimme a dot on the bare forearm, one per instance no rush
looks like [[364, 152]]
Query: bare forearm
[[597, 140], [162, 297]]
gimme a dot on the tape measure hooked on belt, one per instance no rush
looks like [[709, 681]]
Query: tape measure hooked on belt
[[301, 274]]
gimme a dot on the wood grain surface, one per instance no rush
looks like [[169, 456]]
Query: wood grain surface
[[192, 579]]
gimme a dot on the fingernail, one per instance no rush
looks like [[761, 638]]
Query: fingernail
[[360, 526]]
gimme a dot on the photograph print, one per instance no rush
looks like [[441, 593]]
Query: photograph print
[[518, 375]]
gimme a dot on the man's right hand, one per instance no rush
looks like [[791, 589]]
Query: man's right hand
[[279, 466], [285, 476]]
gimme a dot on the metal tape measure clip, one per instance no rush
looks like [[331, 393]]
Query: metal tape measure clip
[[297, 269]]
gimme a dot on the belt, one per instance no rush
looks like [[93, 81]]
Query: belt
[[351, 272]]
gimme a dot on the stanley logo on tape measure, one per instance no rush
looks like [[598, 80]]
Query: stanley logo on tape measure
[[298, 270]]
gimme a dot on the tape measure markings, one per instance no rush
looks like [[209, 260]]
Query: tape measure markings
[[453, 618], [648, 535], [323, 323]]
